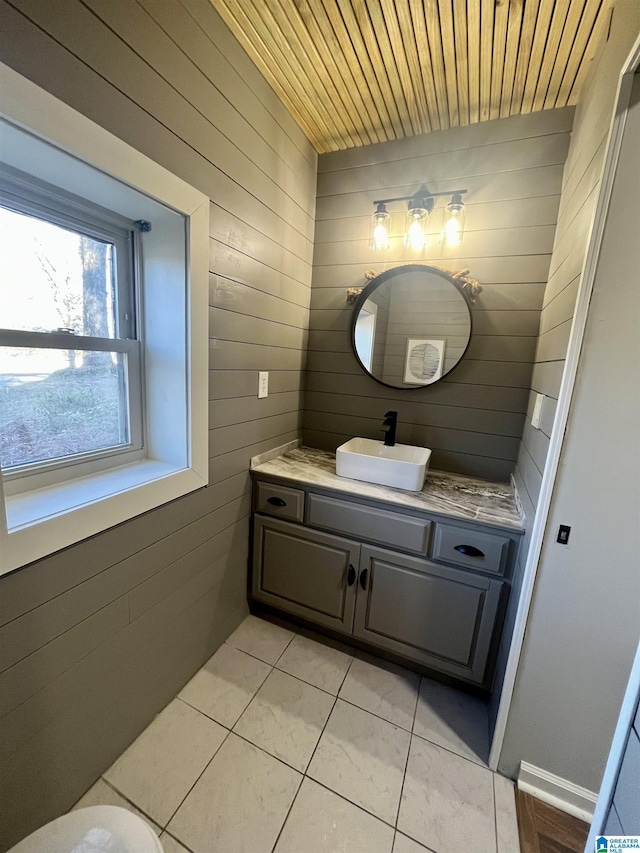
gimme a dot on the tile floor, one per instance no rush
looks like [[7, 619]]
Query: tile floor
[[281, 743]]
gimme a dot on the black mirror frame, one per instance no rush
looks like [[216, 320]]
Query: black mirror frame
[[385, 276]]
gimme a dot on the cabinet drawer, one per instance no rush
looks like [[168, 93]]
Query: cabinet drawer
[[471, 548], [280, 501], [364, 522]]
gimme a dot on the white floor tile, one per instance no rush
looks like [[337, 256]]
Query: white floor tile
[[403, 844], [102, 794], [239, 804], [506, 815], [383, 688], [170, 845], [225, 685], [362, 758], [322, 822], [453, 719], [315, 663], [158, 769], [286, 718], [447, 801], [244, 794], [261, 639]]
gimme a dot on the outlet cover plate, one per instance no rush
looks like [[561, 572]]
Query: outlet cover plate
[[263, 384]]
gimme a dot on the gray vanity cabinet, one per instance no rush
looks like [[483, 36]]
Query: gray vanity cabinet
[[441, 617], [305, 572], [430, 590]]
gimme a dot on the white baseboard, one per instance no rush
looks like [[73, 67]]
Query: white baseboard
[[558, 792]]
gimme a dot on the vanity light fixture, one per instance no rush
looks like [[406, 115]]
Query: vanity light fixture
[[419, 207]]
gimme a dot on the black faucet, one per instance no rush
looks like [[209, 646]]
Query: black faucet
[[391, 421]]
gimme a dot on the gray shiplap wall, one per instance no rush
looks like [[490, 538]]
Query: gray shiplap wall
[[473, 419], [96, 639], [580, 184]]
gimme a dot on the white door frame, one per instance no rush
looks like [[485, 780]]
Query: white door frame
[[612, 154], [616, 754]]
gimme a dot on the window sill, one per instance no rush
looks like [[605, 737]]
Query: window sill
[[45, 520]]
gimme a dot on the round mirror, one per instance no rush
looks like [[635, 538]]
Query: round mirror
[[411, 326]]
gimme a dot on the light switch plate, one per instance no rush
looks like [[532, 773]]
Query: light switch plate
[[263, 384], [537, 411]]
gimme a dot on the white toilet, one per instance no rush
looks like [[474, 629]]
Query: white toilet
[[97, 829]]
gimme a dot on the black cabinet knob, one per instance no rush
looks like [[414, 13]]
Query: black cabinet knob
[[276, 502], [469, 551], [363, 578], [351, 576]]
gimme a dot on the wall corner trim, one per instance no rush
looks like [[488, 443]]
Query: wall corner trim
[[556, 791]]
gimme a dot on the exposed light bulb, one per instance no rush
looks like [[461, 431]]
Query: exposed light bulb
[[454, 224], [419, 208], [379, 233], [453, 230], [415, 237], [380, 237]]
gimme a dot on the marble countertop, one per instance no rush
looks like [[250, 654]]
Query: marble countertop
[[453, 495]]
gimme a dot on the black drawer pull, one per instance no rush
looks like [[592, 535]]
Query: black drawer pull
[[276, 502], [351, 576], [469, 551], [363, 578]]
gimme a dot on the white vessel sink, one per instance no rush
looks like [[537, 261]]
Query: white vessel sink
[[401, 466]]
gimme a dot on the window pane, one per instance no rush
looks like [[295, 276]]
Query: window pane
[[57, 403], [53, 278]]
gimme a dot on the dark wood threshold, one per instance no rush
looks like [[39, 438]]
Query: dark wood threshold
[[545, 829]]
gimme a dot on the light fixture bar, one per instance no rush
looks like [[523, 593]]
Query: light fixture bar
[[424, 194]]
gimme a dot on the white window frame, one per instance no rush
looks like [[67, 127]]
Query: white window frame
[[26, 196], [45, 138]]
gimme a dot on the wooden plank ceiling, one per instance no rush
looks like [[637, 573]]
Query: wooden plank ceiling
[[354, 72]]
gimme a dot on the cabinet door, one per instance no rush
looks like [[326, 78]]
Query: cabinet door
[[441, 617], [305, 572]]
